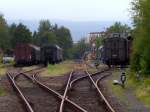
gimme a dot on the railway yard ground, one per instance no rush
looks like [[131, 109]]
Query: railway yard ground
[[129, 97], [55, 77]]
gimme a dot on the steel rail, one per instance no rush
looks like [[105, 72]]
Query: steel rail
[[104, 98], [80, 78], [26, 71], [23, 98], [29, 108], [65, 93], [58, 94], [99, 91]]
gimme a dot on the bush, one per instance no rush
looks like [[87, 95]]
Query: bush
[[141, 46]]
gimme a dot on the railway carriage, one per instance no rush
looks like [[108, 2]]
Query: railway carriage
[[51, 54], [115, 50], [26, 54], [29, 54]]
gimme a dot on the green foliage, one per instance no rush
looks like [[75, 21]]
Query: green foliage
[[20, 34], [58, 69], [139, 86], [99, 41], [118, 28], [80, 48], [141, 45], [4, 35], [2, 92], [64, 40], [52, 34], [46, 34]]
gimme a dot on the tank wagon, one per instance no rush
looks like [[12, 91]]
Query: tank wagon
[[115, 50], [29, 54]]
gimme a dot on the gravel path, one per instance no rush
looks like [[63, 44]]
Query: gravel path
[[129, 103]]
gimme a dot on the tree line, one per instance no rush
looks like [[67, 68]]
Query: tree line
[[47, 33], [141, 45]]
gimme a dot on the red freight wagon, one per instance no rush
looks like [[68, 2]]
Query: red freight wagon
[[23, 53]]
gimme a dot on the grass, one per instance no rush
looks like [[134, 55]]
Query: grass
[[3, 68], [2, 92], [140, 88], [93, 69], [116, 89], [58, 69], [28, 68], [143, 91]]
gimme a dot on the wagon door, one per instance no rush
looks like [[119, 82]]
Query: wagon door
[[122, 50], [114, 50]]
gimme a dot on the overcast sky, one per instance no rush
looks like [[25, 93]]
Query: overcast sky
[[74, 10]]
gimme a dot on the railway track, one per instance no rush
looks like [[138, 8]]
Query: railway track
[[73, 79], [26, 102], [34, 99], [81, 94]]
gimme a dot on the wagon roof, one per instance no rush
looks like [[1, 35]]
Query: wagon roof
[[58, 47], [35, 47], [53, 46]]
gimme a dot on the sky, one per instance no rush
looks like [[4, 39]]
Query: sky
[[73, 10]]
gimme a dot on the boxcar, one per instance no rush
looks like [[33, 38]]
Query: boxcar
[[59, 54], [36, 58], [29, 54], [51, 54], [26, 54], [115, 51]]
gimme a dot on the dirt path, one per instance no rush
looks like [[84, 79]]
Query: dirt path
[[128, 102]]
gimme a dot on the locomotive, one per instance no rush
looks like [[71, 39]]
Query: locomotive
[[29, 54], [116, 49]]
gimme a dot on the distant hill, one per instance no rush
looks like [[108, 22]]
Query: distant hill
[[78, 29]]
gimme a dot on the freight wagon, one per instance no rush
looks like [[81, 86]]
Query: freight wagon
[[51, 54], [29, 54], [115, 50]]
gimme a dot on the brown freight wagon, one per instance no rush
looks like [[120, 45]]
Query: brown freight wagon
[[25, 53]]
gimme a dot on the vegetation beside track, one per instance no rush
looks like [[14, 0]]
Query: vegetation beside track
[[58, 69], [91, 66], [28, 68], [117, 90], [3, 68], [142, 88], [2, 92], [138, 87]]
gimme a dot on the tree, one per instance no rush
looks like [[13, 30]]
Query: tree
[[80, 48], [99, 41], [35, 37], [46, 34], [117, 27], [44, 26], [20, 34], [52, 34], [4, 34], [64, 39], [141, 45], [12, 29]]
